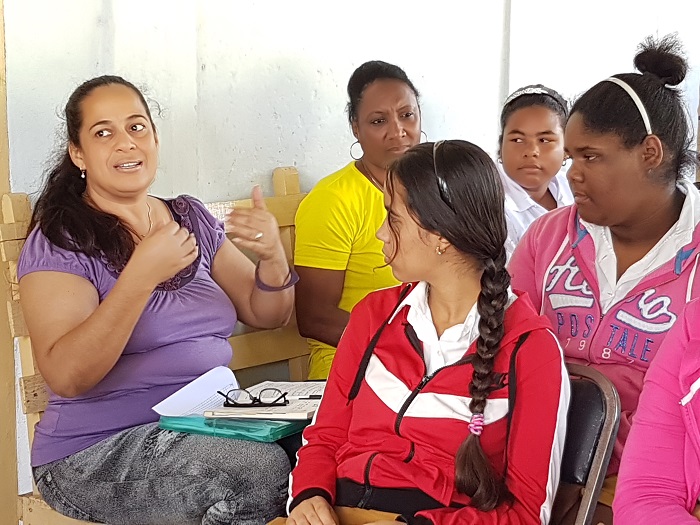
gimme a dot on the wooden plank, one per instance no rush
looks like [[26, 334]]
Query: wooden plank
[[16, 208], [299, 368], [286, 236], [26, 357], [9, 250], [11, 278], [8, 434], [267, 346], [33, 393], [13, 231], [16, 318], [35, 511], [285, 181], [32, 421]]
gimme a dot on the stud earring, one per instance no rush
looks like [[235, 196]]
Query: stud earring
[[439, 251]]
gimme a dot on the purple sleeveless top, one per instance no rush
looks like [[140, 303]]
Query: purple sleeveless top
[[182, 333]]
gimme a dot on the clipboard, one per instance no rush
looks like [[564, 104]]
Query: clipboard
[[265, 431]]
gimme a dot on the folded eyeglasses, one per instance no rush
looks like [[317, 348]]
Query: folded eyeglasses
[[268, 397]]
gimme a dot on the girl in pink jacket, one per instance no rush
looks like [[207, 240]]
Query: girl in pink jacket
[[614, 271], [660, 471]]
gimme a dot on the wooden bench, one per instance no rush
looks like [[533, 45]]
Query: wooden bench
[[252, 348]]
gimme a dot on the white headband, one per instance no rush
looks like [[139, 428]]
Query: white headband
[[638, 102], [533, 90], [530, 90]]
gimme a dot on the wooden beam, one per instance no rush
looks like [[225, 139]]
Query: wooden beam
[[37, 512], [8, 430], [284, 208], [34, 395], [267, 346]]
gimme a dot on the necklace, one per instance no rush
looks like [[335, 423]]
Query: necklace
[[150, 223], [368, 172]]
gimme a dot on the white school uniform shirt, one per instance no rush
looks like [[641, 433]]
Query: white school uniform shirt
[[522, 210], [613, 290], [451, 346]]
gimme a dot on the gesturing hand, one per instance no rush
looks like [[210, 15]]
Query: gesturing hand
[[256, 228], [166, 250], [313, 511]]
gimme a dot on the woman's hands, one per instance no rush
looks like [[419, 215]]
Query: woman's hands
[[166, 250], [259, 294], [256, 229], [313, 511]]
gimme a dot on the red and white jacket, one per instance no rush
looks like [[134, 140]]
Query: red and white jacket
[[403, 428]]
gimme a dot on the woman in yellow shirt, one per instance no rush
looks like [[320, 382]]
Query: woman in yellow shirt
[[337, 256]]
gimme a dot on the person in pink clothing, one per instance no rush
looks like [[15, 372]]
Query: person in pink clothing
[[614, 271], [660, 470]]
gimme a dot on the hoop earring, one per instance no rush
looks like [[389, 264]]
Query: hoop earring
[[499, 160], [439, 251], [425, 135], [82, 174], [563, 163], [352, 146]]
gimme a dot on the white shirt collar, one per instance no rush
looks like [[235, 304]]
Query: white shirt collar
[[454, 342], [519, 200], [679, 235], [417, 299]]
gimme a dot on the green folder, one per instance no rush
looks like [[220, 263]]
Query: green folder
[[264, 430]]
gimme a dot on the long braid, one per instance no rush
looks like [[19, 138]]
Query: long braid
[[453, 188], [474, 474]]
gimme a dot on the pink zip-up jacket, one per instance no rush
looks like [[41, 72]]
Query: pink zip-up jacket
[[659, 479], [555, 264]]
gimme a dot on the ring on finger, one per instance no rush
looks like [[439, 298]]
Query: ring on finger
[[258, 236]]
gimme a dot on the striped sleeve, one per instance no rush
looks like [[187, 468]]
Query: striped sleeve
[[536, 443]]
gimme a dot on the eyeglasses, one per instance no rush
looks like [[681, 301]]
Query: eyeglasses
[[268, 397], [442, 185]]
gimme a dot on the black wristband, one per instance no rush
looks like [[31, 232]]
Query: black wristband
[[292, 279]]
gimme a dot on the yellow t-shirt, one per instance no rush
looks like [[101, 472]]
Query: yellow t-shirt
[[335, 230]]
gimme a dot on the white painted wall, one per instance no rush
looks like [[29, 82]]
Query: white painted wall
[[571, 45], [244, 87]]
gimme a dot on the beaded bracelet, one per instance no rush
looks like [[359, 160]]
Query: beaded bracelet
[[291, 280]]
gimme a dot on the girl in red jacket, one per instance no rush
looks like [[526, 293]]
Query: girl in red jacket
[[420, 417]]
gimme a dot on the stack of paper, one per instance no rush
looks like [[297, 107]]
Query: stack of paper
[[303, 398], [200, 398]]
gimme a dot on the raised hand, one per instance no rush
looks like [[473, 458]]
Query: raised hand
[[166, 250], [256, 229]]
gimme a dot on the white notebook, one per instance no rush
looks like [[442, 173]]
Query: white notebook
[[295, 410]]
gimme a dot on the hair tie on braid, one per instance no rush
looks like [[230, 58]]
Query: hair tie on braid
[[476, 424]]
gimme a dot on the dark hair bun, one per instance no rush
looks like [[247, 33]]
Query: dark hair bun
[[662, 58]]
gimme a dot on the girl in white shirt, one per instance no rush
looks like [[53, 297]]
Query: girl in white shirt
[[531, 152]]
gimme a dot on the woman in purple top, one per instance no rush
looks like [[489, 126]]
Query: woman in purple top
[[128, 297]]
